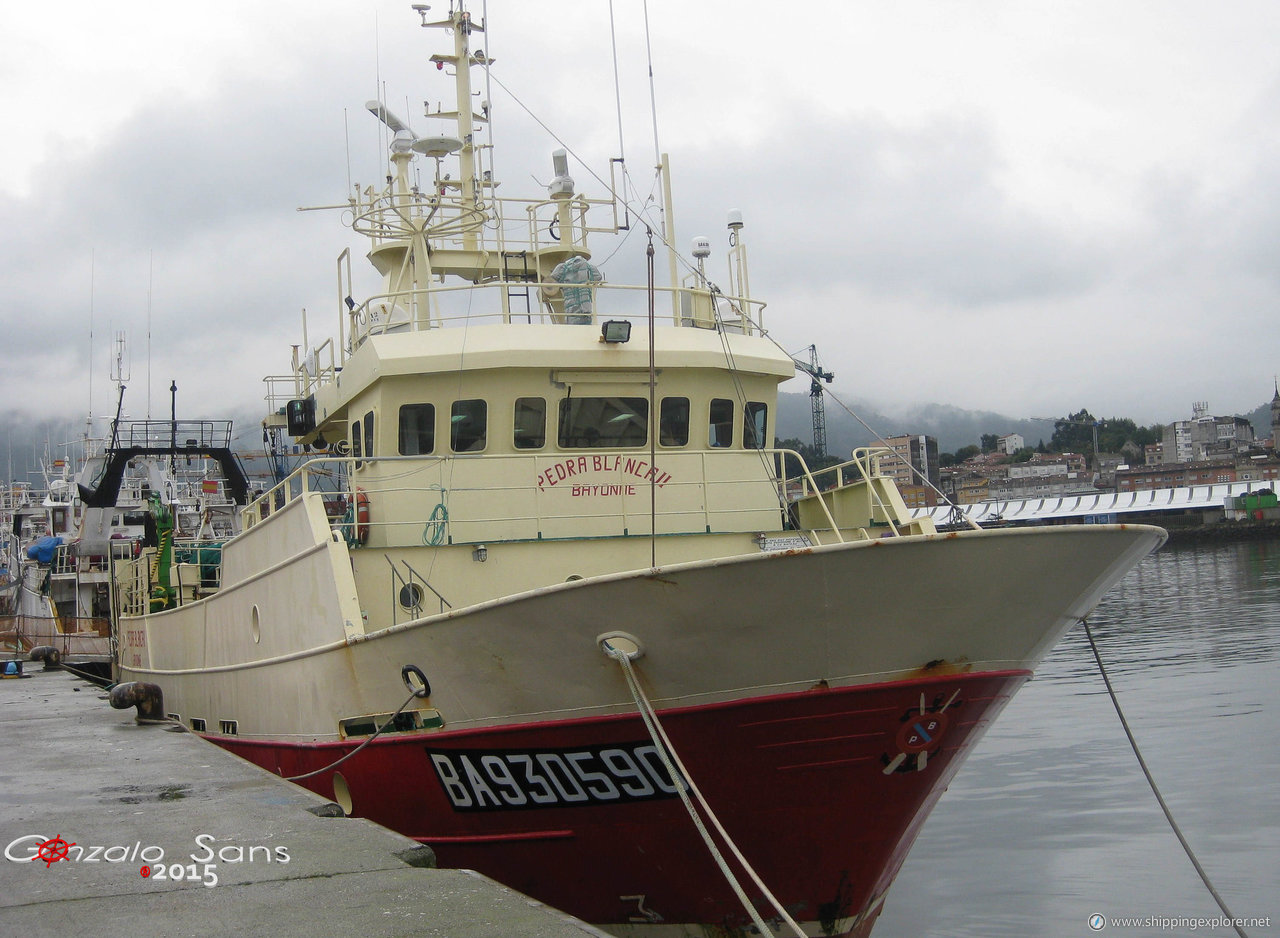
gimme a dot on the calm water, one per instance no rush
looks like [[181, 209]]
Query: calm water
[[1051, 819]]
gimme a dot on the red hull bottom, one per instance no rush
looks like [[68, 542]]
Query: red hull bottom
[[823, 792]]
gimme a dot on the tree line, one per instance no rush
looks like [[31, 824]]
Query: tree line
[[1073, 433]]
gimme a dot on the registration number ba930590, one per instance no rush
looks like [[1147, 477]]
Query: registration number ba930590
[[506, 779]]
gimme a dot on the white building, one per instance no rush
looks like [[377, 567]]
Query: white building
[[1039, 471], [1205, 436], [1010, 443]]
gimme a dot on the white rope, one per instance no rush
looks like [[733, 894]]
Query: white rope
[[684, 784]]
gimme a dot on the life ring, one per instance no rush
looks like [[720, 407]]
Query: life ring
[[362, 516]]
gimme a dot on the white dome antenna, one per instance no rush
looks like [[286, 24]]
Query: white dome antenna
[[701, 251], [436, 147]]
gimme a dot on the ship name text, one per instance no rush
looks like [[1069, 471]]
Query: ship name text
[[577, 466]]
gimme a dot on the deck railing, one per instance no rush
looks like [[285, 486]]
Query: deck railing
[[756, 500], [491, 303], [196, 572], [184, 434]]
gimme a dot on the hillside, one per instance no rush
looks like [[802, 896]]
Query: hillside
[[952, 426]]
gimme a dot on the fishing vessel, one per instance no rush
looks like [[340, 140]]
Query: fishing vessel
[[59, 542], [547, 598]]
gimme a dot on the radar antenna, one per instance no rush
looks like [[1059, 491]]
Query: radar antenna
[[405, 140]]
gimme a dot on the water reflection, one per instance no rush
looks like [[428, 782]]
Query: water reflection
[[1051, 819]]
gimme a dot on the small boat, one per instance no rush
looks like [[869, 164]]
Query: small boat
[[546, 598]]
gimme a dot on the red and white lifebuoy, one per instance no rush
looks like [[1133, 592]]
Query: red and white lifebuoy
[[362, 516]]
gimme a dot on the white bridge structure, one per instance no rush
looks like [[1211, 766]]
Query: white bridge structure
[[1100, 507]]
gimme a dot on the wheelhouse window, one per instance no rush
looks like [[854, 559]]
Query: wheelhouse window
[[755, 420], [357, 449], [720, 431], [468, 426], [417, 429], [604, 422], [530, 423], [673, 421]]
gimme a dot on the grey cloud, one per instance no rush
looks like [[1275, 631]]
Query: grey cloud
[[909, 213]]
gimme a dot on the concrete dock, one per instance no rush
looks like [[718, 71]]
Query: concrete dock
[[76, 772]]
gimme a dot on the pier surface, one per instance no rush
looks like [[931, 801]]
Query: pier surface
[[74, 771]]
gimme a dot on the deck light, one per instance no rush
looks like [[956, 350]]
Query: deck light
[[615, 331]]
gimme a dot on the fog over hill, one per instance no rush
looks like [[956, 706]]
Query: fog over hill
[[952, 426]]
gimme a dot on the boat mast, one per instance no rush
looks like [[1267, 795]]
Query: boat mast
[[462, 60]]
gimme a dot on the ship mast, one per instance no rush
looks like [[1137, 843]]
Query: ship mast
[[462, 59]]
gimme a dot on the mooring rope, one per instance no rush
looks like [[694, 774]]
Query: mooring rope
[[684, 784], [1155, 789], [334, 765]]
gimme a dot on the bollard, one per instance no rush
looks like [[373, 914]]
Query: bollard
[[51, 657], [148, 698]]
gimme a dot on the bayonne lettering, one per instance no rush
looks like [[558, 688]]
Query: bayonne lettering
[[505, 779]]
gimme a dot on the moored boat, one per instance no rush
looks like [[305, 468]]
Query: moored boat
[[545, 508], [97, 509]]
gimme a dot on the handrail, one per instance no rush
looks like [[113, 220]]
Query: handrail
[[692, 307], [868, 464], [180, 433], [363, 312]]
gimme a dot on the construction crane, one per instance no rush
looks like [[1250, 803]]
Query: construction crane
[[813, 368]]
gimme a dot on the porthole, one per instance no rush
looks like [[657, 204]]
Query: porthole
[[255, 624], [411, 596], [571, 577]]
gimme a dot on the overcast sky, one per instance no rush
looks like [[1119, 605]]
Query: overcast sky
[[1025, 207]]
